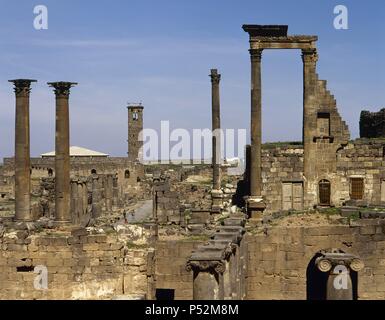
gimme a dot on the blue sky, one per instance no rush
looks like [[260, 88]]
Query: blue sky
[[160, 53]]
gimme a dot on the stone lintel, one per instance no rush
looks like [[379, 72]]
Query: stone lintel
[[291, 42]]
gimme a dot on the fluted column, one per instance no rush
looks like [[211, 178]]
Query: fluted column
[[22, 150], [62, 153]]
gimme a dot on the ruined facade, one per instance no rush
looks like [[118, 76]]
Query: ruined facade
[[108, 228]]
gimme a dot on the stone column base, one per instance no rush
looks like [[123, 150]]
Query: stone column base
[[217, 200], [255, 207]]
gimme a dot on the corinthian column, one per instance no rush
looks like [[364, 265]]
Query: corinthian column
[[62, 153], [22, 150]]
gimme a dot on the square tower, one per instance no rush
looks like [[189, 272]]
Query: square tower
[[135, 127]]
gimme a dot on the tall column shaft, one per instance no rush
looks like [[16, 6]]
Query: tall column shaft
[[309, 58], [22, 150], [256, 124], [62, 152], [216, 126]]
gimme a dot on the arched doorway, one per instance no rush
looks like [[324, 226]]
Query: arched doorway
[[316, 281], [324, 192]]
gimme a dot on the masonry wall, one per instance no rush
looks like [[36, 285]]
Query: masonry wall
[[170, 273], [79, 267], [278, 258], [362, 158], [280, 165]]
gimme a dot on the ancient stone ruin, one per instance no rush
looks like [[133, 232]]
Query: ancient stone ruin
[[302, 217]]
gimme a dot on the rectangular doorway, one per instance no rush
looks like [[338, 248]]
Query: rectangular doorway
[[165, 294], [292, 196]]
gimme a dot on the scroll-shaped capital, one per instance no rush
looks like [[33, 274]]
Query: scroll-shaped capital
[[256, 54], [216, 266], [324, 265], [356, 265], [22, 86], [329, 260], [215, 76], [309, 55], [61, 88]]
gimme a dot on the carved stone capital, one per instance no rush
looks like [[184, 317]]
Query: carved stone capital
[[256, 54], [329, 260], [309, 55], [216, 266], [230, 250], [62, 89], [22, 86], [215, 76]]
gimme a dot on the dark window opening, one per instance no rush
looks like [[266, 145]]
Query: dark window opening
[[50, 172], [165, 294], [324, 192], [3, 195], [25, 269], [138, 179], [356, 188], [127, 174], [323, 124], [135, 116], [93, 171]]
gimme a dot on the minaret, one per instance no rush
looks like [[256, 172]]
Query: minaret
[[135, 127]]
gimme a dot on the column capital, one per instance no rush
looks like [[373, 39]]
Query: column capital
[[216, 266], [22, 86], [330, 260], [215, 76], [309, 55], [256, 54], [61, 88]]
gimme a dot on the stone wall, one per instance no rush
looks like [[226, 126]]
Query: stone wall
[[372, 124], [362, 158], [129, 173], [279, 258], [170, 271], [80, 266], [281, 164]]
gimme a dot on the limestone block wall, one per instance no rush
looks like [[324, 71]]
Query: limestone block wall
[[129, 173], [329, 133], [278, 259], [361, 159], [170, 267], [80, 266], [280, 165]]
